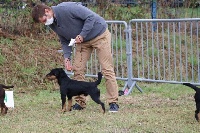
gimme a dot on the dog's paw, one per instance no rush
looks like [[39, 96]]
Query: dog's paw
[[198, 117], [70, 109], [4, 111], [63, 110], [121, 93]]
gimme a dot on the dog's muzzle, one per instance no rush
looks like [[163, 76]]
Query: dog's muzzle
[[50, 77]]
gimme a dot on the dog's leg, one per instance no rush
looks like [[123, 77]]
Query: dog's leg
[[69, 107], [63, 98], [4, 109], [103, 106], [98, 101], [1, 110], [197, 115], [96, 97]]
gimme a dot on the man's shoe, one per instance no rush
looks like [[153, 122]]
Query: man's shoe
[[77, 107], [113, 107]]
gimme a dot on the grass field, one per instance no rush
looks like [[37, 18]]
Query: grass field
[[160, 108]]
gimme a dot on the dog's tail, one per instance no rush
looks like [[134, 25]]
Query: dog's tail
[[7, 87], [191, 85], [99, 78]]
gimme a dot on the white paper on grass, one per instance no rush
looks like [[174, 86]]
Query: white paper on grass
[[9, 100], [72, 42]]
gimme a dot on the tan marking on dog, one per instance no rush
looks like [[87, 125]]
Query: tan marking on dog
[[198, 115], [64, 108], [103, 110], [51, 77], [4, 110], [69, 107], [81, 102]]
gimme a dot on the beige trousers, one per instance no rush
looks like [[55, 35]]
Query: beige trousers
[[102, 44]]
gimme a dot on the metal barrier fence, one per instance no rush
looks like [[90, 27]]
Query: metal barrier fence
[[165, 50], [153, 50]]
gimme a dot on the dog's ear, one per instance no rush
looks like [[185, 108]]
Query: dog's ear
[[55, 72], [62, 72], [60, 69]]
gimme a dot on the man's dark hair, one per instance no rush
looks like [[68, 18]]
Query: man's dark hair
[[39, 11]]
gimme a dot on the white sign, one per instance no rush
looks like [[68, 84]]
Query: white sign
[[9, 100]]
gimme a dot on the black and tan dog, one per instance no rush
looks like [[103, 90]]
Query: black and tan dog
[[4, 109], [70, 88], [197, 100]]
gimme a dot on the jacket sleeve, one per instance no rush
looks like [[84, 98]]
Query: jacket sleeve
[[67, 50]]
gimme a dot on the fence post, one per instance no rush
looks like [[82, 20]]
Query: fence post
[[153, 13], [129, 84], [199, 68]]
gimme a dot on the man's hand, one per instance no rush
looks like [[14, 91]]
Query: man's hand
[[67, 64], [79, 39]]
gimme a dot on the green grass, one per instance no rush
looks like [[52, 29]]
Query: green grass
[[161, 108], [2, 59]]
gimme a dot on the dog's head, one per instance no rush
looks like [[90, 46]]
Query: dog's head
[[55, 74]]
